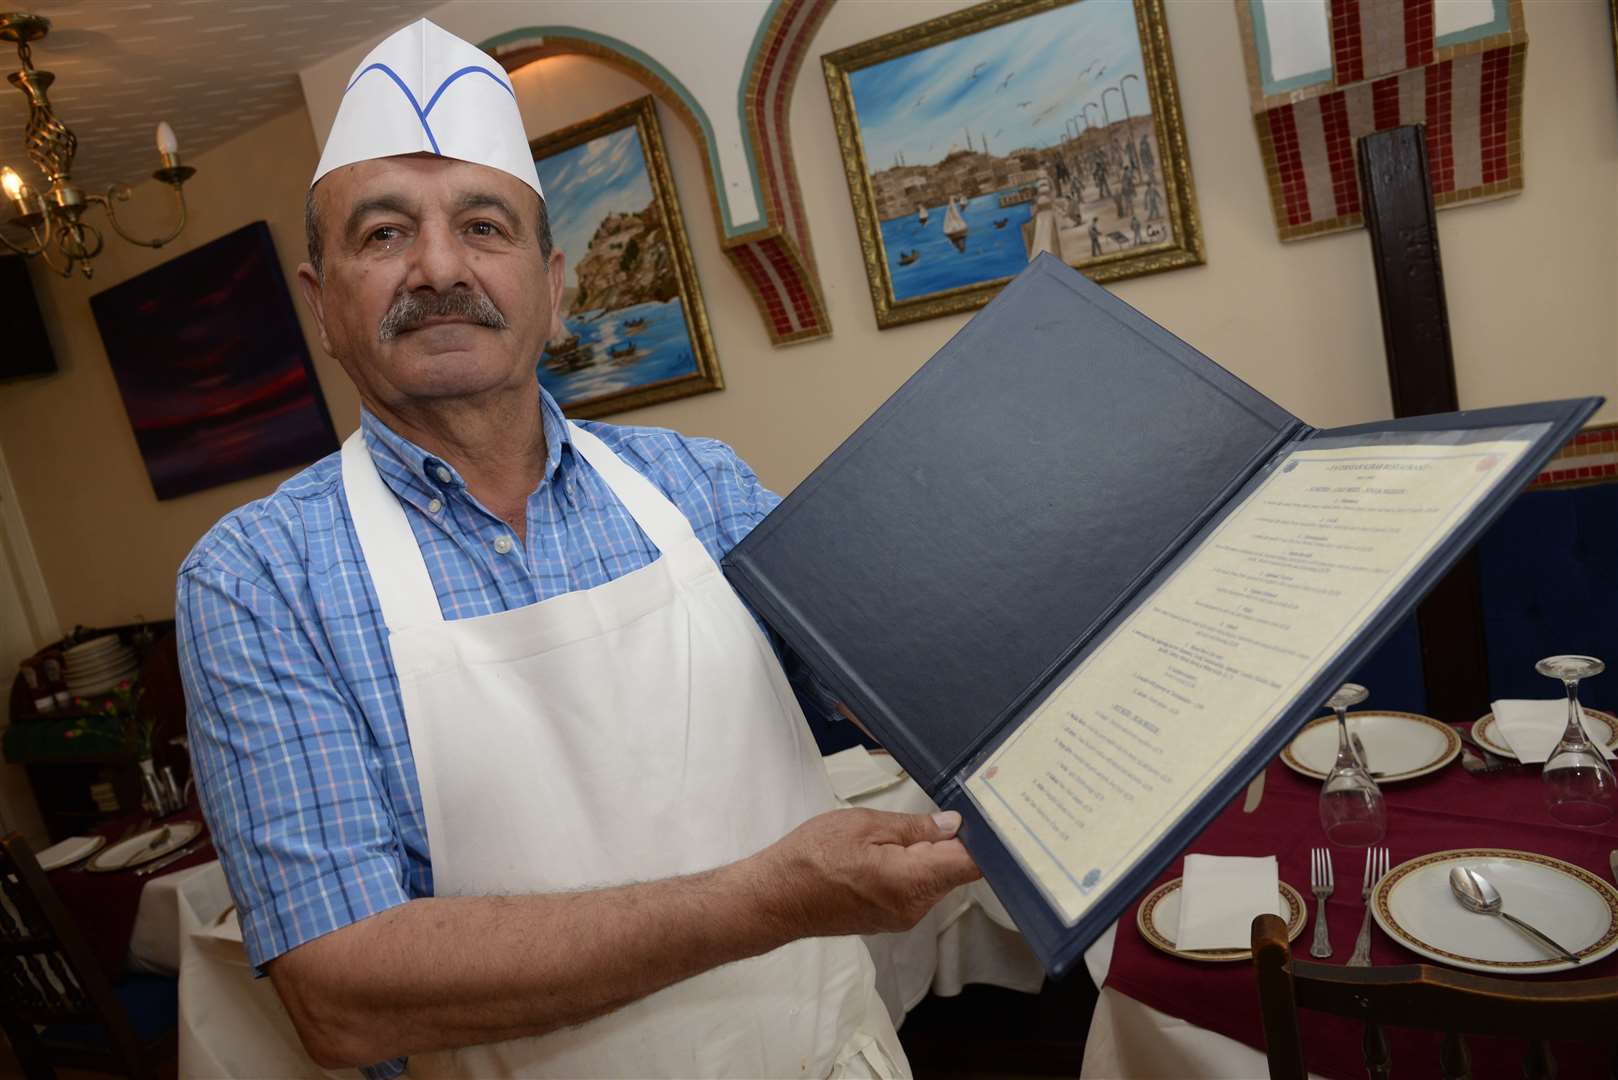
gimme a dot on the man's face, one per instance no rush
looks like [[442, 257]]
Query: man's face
[[434, 286]]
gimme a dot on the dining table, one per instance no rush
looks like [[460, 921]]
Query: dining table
[[1162, 1015], [130, 918]]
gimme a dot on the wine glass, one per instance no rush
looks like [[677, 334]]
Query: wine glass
[[1352, 810], [1579, 784]]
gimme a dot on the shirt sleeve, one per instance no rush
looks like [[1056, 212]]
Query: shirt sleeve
[[287, 781]]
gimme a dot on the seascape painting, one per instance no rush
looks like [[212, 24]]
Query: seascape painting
[[212, 366], [634, 327], [987, 136]]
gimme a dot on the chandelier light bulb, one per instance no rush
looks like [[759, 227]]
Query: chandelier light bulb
[[54, 219]]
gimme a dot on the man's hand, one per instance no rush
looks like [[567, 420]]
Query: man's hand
[[862, 871]]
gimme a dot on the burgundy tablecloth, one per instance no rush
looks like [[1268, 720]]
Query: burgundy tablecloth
[[1450, 809], [105, 905]]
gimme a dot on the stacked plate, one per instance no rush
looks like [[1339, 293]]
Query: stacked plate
[[98, 665]]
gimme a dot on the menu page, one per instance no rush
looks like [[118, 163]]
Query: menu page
[[1163, 707]]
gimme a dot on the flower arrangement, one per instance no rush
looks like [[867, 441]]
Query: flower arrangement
[[120, 704]]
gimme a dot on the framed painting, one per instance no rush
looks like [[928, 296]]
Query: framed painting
[[976, 140], [213, 367], [635, 330]]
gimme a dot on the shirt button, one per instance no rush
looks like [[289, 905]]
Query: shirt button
[[502, 545], [435, 506], [444, 475]]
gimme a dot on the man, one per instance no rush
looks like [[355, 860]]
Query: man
[[505, 778]]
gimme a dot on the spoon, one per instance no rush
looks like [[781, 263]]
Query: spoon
[[1476, 893]]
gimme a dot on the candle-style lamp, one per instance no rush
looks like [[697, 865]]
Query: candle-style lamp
[[53, 215]]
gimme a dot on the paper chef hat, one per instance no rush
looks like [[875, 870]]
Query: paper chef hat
[[424, 90]]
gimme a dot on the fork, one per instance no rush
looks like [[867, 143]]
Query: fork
[[1376, 864], [1320, 884]]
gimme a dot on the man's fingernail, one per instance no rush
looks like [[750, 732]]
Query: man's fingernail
[[947, 821]]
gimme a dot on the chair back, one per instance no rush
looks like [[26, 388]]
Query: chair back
[[1421, 996], [49, 976]]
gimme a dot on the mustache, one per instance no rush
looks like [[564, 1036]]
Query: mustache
[[412, 309]]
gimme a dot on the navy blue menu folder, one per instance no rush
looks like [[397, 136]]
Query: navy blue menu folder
[[962, 552]]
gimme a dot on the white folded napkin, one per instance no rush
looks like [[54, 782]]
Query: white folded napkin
[[1219, 898], [856, 771], [1533, 728]]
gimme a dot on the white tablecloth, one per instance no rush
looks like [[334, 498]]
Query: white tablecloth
[[233, 1024], [1130, 1039], [155, 944], [966, 938]]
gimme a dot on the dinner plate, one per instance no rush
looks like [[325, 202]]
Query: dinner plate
[[1400, 745], [138, 849], [94, 647], [1483, 731], [1414, 905], [1158, 918], [70, 851], [122, 659]]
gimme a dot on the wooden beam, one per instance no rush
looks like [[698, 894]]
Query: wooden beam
[[1398, 206]]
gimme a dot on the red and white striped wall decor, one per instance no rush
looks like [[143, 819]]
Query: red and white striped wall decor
[[1590, 457], [1389, 66]]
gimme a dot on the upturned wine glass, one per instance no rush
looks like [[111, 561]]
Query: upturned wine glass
[[1352, 810], [1579, 785]]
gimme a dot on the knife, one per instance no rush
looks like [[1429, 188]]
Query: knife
[[1490, 758], [1612, 863], [1255, 792], [172, 857]]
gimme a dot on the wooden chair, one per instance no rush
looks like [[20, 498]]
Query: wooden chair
[[1423, 996], [56, 1005]]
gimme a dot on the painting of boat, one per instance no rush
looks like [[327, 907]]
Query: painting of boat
[[634, 328], [567, 354], [955, 226], [1016, 123]]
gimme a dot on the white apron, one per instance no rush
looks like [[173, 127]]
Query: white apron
[[638, 730]]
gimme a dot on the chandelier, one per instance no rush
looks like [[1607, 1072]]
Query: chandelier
[[54, 217]]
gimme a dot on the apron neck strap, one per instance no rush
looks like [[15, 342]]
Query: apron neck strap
[[658, 518], [388, 547], [398, 571]]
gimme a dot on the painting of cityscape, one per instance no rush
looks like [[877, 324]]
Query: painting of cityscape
[[635, 330], [977, 140]]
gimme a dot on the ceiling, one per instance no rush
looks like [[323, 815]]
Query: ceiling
[[211, 68]]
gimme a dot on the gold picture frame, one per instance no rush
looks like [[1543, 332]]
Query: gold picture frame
[[624, 345], [1104, 236]]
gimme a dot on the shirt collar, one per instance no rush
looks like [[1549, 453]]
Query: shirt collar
[[420, 477]]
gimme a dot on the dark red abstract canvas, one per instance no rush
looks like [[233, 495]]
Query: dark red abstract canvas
[[213, 368]]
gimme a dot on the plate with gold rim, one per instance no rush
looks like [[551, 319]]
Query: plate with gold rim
[[1483, 730], [1158, 919], [1415, 907], [142, 849], [1400, 745]]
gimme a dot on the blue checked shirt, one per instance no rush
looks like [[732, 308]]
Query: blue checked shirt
[[297, 729]]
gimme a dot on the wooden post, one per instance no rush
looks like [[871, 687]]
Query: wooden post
[[1398, 204]]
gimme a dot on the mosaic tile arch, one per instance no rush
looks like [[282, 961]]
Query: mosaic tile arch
[[775, 256]]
